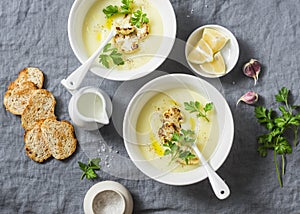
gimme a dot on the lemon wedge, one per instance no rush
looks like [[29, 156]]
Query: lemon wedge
[[201, 53], [214, 39], [217, 66]]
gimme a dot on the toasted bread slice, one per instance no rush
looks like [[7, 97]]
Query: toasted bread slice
[[36, 146], [40, 107], [18, 94], [31, 74], [16, 99], [60, 138]]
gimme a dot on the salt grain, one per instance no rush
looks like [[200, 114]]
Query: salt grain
[[108, 202]]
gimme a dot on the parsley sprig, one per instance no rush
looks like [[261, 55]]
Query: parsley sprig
[[125, 8], [110, 55], [179, 146], [138, 18], [89, 169], [110, 10], [277, 125], [196, 107]]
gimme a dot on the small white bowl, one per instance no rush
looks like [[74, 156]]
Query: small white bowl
[[216, 152], [108, 197], [230, 51], [77, 15]]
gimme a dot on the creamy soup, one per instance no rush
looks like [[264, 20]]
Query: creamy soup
[[149, 122], [96, 28]]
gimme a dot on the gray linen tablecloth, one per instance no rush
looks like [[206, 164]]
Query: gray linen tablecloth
[[34, 33]]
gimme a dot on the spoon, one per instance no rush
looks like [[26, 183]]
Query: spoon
[[218, 185], [73, 81]]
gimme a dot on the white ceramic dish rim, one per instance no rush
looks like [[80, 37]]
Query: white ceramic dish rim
[[217, 158], [234, 46], [168, 16]]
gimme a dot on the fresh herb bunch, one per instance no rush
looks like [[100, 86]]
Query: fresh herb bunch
[[278, 125], [179, 144], [89, 169], [139, 18], [196, 107], [110, 55]]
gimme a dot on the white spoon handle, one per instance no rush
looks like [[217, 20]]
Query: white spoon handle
[[218, 185], [74, 80]]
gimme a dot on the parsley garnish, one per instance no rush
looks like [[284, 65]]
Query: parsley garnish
[[110, 55], [126, 8], [88, 169], [277, 125], [179, 144], [196, 107], [138, 18], [110, 10]]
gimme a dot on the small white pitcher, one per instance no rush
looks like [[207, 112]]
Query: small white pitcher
[[90, 108]]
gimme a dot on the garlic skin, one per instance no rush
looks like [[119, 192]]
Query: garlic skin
[[252, 69], [250, 98]]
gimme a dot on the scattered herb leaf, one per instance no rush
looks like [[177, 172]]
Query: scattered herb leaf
[[138, 18], [88, 169], [126, 7], [282, 95], [277, 125], [110, 10], [110, 56], [179, 146], [196, 107]]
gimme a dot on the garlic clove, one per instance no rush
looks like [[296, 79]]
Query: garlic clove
[[250, 98], [252, 69], [256, 67]]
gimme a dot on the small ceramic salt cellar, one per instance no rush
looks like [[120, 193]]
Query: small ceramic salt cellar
[[108, 197]]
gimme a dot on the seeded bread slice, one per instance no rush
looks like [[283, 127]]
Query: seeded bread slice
[[17, 99], [40, 107], [36, 146], [60, 138], [31, 74]]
